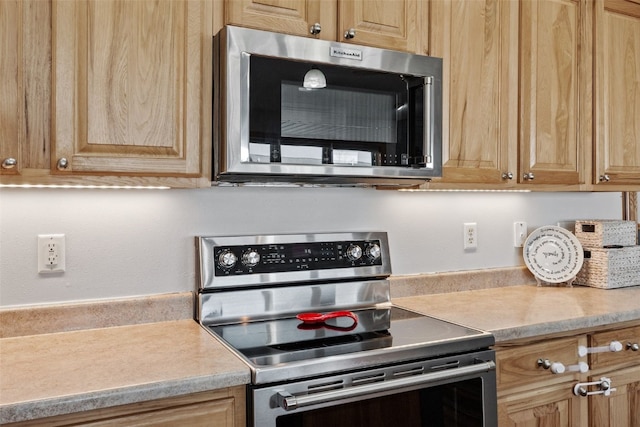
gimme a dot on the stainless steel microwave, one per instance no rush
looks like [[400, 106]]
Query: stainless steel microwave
[[301, 110]]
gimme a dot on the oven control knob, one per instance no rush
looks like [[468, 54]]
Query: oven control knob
[[373, 251], [227, 259], [354, 252], [250, 258]]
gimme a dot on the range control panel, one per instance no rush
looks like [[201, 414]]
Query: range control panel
[[234, 260]]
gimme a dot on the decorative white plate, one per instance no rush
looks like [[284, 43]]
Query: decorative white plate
[[553, 254]]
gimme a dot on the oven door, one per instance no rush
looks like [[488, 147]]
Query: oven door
[[453, 392]]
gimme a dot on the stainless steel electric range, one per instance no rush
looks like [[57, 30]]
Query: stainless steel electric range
[[367, 363]]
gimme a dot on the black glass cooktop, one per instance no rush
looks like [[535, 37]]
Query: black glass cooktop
[[386, 334]]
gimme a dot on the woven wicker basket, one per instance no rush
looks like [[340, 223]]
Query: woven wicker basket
[[599, 233], [610, 268]]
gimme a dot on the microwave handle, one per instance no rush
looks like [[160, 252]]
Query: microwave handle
[[427, 138]]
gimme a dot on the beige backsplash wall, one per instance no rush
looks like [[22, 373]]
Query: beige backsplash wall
[[454, 281], [50, 318], [135, 243]]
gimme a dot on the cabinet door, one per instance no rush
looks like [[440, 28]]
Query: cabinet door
[[478, 42], [555, 91], [390, 24], [617, 91], [622, 407], [10, 86], [216, 413], [219, 408], [554, 406], [128, 85], [284, 16], [25, 62]]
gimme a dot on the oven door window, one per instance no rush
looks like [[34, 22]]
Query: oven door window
[[458, 404], [361, 118]]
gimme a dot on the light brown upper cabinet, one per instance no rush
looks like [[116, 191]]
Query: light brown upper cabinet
[[106, 92], [25, 63], [10, 87], [555, 131], [477, 41], [617, 93], [129, 88], [391, 24], [516, 98]]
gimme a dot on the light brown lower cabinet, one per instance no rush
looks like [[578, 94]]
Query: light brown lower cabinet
[[548, 406], [622, 407], [219, 408], [531, 394]]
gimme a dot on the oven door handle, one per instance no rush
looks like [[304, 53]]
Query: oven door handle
[[289, 402]]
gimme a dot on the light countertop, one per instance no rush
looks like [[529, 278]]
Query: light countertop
[[524, 311], [78, 370], [58, 373]]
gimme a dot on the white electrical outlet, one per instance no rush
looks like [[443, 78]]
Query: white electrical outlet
[[51, 253], [519, 233], [470, 235]]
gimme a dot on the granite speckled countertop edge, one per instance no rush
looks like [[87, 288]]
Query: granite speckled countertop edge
[[530, 311], [64, 372], [563, 326], [31, 410]]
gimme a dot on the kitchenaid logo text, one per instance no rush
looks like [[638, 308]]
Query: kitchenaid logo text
[[340, 52]]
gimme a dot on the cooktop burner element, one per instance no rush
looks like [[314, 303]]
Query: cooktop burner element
[[253, 288]]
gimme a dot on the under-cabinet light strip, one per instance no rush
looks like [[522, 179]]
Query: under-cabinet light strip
[[79, 186], [461, 190]]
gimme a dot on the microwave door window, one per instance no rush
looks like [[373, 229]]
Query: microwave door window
[[338, 114], [361, 117]]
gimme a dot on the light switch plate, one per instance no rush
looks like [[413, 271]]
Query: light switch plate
[[519, 233]]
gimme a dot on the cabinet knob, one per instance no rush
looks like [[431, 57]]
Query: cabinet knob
[[350, 33], [529, 176], [605, 178], [580, 391], [633, 347], [315, 29], [554, 367], [62, 164], [545, 363], [507, 175], [9, 163]]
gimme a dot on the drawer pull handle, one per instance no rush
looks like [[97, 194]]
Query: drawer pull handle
[[633, 347], [613, 347], [604, 388]]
